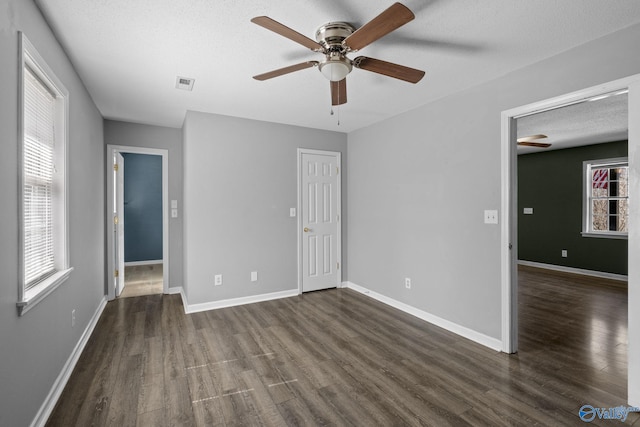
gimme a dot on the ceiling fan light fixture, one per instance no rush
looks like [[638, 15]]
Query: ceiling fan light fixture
[[335, 70]]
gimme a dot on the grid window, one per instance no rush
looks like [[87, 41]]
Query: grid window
[[607, 198]]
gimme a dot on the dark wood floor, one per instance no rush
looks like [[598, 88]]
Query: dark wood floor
[[340, 358]]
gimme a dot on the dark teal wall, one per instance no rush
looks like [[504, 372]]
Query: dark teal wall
[[550, 182], [142, 207]]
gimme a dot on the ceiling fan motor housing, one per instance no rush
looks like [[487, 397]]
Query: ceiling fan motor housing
[[332, 34], [336, 65]]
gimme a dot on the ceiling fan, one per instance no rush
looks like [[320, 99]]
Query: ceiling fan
[[530, 141], [336, 39]]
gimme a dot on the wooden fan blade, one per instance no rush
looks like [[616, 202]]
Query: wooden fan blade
[[394, 17], [339, 92], [389, 69], [283, 30], [285, 70], [531, 138], [534, 144]]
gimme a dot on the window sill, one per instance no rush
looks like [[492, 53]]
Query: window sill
[[36, 294], [619, 236]]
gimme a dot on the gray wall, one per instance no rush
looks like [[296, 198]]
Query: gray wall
[[142, 207], [419, 182], [239, 183], [35, 347], [138, 135], [551, 182]]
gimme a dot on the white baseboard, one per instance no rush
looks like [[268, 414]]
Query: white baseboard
[[573, 270], [174, 290], [492, 343], [194, 308], [634, 400], [58, 386], [136, 263]]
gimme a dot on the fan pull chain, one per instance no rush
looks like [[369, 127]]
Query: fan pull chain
[[338, 110], [333, 113]]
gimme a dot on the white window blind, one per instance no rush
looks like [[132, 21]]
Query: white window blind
[[39, 143]]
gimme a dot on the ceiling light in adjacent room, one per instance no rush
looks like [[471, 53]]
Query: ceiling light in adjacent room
[[607, 95]]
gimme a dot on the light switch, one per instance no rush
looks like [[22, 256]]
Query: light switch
[[174, 213], [292, 212], [174, 204], [491, 217], [528, 211]]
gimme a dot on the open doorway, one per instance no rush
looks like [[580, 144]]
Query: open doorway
[[572, 239], [142, 214], [137, 234], [509, 229], [573, 188]]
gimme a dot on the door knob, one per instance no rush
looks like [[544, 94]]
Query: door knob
[[306, 230]]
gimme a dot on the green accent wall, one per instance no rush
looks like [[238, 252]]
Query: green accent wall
[[550, 182]]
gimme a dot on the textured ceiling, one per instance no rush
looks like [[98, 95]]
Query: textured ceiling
[[589, 122], [129, 53]]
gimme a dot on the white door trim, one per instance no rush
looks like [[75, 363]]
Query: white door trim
[[338, 157], [118, 159], [165, 212], [509, 223]]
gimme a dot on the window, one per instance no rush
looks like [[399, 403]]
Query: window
[[606, 207], [43, 208]]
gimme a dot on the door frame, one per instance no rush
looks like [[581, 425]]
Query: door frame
[[509, 203], [109, 212], [118, 159], [300, 234]]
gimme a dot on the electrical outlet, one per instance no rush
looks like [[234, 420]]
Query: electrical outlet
[[217, 280], [490, 217], [564, 253], [254, 276], [73, 318], [407, 283]]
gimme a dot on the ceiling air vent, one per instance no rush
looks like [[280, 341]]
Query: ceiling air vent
[[184, 83]]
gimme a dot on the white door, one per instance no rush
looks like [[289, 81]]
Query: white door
[[320, 214], [118, 222]]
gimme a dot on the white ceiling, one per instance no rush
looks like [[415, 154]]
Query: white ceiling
[[589, 122], [129, 53]]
